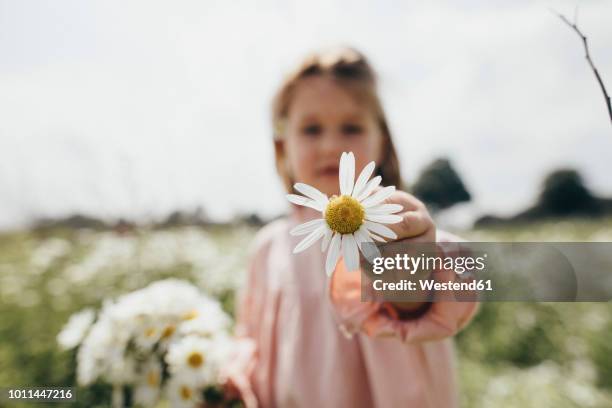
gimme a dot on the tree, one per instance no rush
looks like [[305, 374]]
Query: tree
[[439, 185], [564, 192]]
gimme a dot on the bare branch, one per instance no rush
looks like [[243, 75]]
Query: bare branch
[[574, 27]]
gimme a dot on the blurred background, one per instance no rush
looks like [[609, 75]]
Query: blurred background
[[125, 129]]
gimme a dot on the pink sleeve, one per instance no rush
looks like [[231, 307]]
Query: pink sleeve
[[442, 319], [239, 374]]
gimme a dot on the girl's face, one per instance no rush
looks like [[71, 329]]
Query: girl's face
[[324, 120]]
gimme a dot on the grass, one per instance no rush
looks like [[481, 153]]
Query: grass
[[513, 354]]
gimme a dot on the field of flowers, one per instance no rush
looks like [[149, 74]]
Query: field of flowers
[[513, 354]]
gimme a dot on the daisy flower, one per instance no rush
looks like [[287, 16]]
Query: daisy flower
[[196, 357], [349, 220], [75, 330], [147, 389], [182, 393]]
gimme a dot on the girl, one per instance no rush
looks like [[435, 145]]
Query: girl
[[309, 341]]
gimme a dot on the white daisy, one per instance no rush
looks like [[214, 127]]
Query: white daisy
[[349, 220], [182, 393], [193, 356], [147, 388], [75, 330], [207, 319]]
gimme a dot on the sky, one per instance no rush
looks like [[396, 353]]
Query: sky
[[135, 109]]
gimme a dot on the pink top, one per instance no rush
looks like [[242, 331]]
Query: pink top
[[308, 341]]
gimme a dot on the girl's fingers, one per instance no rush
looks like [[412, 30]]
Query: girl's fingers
[[408, 201], [416, 220], [413, 224]]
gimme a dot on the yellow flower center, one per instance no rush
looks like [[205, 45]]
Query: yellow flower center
[[344, 214], [185, 392], [191, 315], [152, 378], [150, 332], [195, 359], [168, 331]]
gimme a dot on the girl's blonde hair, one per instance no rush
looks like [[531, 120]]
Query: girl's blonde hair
[[350, 69]]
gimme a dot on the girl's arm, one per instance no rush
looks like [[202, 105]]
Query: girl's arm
[[411, 321], [416, 226], [432, 321]]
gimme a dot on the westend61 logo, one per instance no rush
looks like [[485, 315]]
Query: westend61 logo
[[487, 271]]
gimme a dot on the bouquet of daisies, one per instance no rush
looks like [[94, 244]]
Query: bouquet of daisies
[[165, 341]]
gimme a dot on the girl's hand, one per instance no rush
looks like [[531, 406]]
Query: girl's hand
[[416, 226]]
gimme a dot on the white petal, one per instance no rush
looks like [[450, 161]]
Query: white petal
[[350, 183], [305, 201], [384, 209], [377, 238], [384, 218], [372, 184], [378, 196], [350, 252], [310, 239], [347, 173], [361, 236], [333, 254], [326, 238], [363, 178], [311, 192], [342, 171], [370, 250], [307, 227], [379, 229], [297, 199]]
